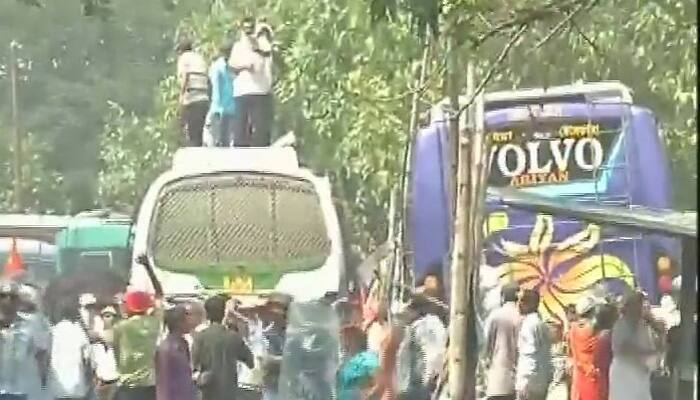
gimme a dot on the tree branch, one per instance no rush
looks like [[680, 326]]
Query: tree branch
[[580, 6], [558, 27], [494, 67], [588, 40], [528, 16]]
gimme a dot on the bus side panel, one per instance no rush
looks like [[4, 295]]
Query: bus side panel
[[561, 258], [428, 216], [651, 186], [649, 166]]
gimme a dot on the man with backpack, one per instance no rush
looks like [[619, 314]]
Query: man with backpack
[[194, 92]]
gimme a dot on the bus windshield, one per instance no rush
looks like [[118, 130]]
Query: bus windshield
[[223, 225]]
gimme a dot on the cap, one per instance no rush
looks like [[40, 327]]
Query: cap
[[137, 301], [584, 305]]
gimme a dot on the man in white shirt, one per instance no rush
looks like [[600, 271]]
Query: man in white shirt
[[193, 78], [501, 349], [70, 356], [251, 60], [534, 369]]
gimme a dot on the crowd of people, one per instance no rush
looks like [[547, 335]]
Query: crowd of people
[[137, 346], [230, 101], [128, 348], [607, 349]]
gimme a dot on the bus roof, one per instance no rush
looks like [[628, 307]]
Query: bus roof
[[206, 159], [38, 227], [579, 92], [606, 92], [97, 233]]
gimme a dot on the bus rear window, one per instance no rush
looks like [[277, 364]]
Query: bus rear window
[[550, 151], [220, 223], [95, 260]]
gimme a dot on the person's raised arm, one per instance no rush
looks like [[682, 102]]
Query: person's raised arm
[[157, 287]]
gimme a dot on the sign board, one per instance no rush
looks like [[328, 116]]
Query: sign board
[[550, 151]]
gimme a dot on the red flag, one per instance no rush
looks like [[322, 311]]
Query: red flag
[[14, 265]]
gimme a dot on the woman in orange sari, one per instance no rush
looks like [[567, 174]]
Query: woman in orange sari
[[590, 355]]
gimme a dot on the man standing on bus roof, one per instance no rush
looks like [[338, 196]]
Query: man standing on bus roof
[[222, 107], [251, 60], [194, 92]]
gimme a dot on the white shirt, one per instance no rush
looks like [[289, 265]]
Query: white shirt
[[431, 336], [247, 82], [534, 368], [104, 362], [69, 351]]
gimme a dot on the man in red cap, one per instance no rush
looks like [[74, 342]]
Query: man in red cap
[[135, 340]]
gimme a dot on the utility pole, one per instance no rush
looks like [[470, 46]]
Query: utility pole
[[19, 201]]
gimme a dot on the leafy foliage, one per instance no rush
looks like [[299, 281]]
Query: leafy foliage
[[42, 188], [344, 81], [71, 66], [133, 150]]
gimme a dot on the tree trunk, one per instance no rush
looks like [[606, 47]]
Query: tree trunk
[[459, 294]]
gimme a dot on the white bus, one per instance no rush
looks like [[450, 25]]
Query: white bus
[[242, 221]]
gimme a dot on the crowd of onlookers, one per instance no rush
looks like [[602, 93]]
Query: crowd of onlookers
[[606, 349], [230, 101], [138, 346], [131, 348]]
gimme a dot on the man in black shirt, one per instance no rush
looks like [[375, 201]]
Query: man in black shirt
[[215, 354]]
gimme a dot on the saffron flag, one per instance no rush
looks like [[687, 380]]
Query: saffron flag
[[14, 265]]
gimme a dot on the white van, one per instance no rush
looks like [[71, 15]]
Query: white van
[[241, 220]]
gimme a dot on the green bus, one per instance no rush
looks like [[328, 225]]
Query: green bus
[[95, 240]]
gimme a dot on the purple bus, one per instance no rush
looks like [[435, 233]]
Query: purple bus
[[585, 142]]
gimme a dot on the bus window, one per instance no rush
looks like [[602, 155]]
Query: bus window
[[95, 260]]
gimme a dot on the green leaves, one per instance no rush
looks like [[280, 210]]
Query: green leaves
[[344, 82]]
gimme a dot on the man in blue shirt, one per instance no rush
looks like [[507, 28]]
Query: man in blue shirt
[[222, 106]]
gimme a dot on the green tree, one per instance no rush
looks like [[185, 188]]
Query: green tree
[[344, 84], [71, 67]]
